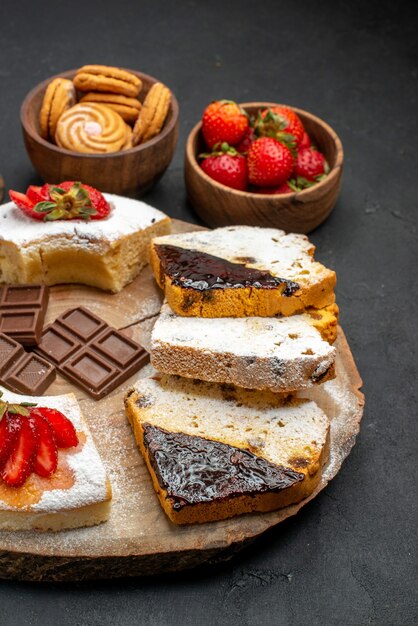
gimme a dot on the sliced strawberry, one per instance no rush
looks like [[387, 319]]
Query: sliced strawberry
[[37, 194], [8, 434], [67, 201], [25, 204], [64, 431], [20, 462], [45, 460]]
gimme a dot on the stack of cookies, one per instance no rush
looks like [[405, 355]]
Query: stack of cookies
[[248, 321], [100, 110]]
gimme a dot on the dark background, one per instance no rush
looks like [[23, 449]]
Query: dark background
[[349, 558]]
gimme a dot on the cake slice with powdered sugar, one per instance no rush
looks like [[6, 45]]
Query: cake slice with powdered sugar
[[77, 493], [215, 451], [282, 354], [240, 271], [107, 253]]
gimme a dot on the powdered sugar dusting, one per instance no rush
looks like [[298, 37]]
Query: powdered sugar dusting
[[281, 337], [285, 255], [126, 217]]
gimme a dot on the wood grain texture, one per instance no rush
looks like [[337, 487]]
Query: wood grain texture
[[139, 539], [129, 172], [300, 212]]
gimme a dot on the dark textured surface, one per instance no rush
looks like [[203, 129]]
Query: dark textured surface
[[349, 558], [195, 470]]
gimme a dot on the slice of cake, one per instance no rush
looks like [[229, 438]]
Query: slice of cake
[[107, 253], [280, 353], [215, 451], [240, 271], [51, 474]]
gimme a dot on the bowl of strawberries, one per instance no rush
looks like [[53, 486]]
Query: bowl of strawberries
[[262, 164]]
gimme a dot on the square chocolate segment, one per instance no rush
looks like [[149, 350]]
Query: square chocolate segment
[[116, 347], [90, 371], [10, 352], [82, 323], [22, 312], [56, 345], [32, 375], [23, 295], [23, 325]]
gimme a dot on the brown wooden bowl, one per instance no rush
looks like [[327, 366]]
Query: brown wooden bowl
[[299, 212], [129, 172]]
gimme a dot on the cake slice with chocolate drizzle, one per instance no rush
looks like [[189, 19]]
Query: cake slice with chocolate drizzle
[[216, 451], [240, 271]]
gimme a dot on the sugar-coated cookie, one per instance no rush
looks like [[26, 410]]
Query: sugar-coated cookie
[[59, 96]]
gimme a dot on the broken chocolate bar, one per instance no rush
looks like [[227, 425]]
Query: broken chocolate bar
[[22, 312], [92, 354], [23, 372]]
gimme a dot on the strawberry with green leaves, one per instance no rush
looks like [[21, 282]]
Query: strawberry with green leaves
[[29, 440], [224, 121], [310, 167], [282, 124], [67, 201], [226, 166], [270, 163]]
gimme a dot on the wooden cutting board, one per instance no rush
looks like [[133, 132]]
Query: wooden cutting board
[[138, 539]]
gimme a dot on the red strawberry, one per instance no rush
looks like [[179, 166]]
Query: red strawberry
[[227, 167], [29, 438], [247, 140], [281, 123], [288, 187], [310, 167], [8, 434], [20, 462], [64, 431], [45, 460], [66, 201], [305, 142], [223, 121], [270, 163], [37, 194]]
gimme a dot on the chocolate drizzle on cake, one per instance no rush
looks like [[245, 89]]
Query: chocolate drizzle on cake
[[195, 470], [201, 271]]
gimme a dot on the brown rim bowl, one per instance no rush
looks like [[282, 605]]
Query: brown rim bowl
[[128, 172], [301, 212]]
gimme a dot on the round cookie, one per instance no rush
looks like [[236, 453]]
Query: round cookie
[[107, 79], [153, 113], [128, 108], [59, 96], [128, 139], [92, 128]]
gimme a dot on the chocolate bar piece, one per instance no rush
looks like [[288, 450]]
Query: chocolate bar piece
[[92, 354], [23, 372], [22, 312]]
